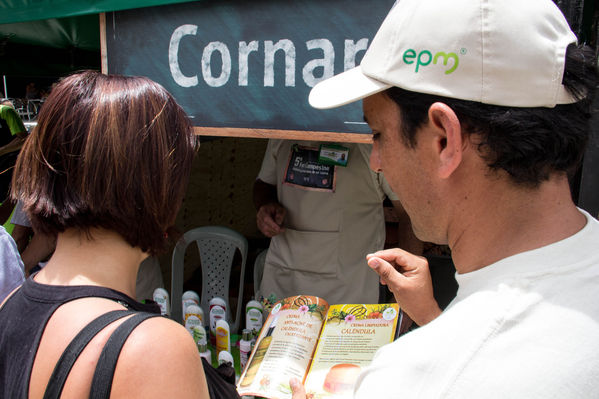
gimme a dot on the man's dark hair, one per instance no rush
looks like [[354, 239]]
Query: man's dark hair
[[109, 152], [528, 143]]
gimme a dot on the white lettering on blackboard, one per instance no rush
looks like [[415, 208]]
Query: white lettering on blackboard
[[351, 51], [327, 62], [173, 56], [244, 52], [269, 61], [225, 72], [271, 49]]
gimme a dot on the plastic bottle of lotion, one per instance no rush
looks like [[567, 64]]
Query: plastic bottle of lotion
[[205, 352], [199, 335], [160, 296], [223, 337], [245, 347], [194, 311], [225, 357], [218, 310], [193, 317], [189, 298], [253, 317]]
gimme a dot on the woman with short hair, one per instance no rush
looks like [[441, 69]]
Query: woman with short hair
[[105, 170]]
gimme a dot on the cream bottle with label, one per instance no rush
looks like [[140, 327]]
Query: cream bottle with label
[[245, 347], [225, 357], [193, 316], [218, 310], [199, 335], [223, 337], [205, 352], [189, 298], [160, 296], [253, 317]]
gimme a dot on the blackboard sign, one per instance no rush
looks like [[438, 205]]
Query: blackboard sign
[[248, 65]]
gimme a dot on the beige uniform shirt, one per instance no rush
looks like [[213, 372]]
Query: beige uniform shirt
[[327, 233]]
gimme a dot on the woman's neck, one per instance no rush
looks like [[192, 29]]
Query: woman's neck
[[100, 257]]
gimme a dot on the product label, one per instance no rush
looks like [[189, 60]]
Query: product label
[[244, 352], [216, 313], [162, 303], [222, 340], [198, 315], [199, 334], [253, 320], [188, 302], [243, 358], [192, 321]]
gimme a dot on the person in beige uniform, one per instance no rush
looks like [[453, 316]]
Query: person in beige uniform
[[318, 202]]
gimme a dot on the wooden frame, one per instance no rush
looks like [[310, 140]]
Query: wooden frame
[[104, 57], [283, 134]]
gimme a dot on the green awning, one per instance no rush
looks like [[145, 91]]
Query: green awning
[[82, 32], [54, 37], [12, 11]]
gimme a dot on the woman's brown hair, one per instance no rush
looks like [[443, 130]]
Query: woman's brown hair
[[110, 152]]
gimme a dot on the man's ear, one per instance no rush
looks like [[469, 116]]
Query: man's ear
[[448, 138]]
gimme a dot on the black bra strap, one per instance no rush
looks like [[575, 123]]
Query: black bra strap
[[74, 349], [104, 374]]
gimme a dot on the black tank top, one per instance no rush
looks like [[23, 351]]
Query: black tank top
[[23, 319]]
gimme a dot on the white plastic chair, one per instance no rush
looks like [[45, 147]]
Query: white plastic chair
[[258, 272], [217, 246]]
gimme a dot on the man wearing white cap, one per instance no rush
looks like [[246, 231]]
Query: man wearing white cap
[[479, 110]]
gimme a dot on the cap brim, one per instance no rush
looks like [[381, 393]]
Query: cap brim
[[344, 88]]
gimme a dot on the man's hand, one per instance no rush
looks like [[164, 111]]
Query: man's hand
[[270, 219], [297, 389], [271, 213], [409, 279]]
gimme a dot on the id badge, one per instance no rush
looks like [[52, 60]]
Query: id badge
[[333, 154], [304, 171]]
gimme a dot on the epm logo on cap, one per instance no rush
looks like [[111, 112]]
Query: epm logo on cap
[[425, 57]]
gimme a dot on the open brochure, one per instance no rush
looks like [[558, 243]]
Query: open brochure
[[324, 346]]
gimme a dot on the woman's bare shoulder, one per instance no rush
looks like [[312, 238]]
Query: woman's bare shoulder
[[159, 359]]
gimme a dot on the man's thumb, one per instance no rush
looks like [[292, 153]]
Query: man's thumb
[[384, 269], [297, 389]]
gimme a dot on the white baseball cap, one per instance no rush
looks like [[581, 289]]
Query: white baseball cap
[[502, 52]]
